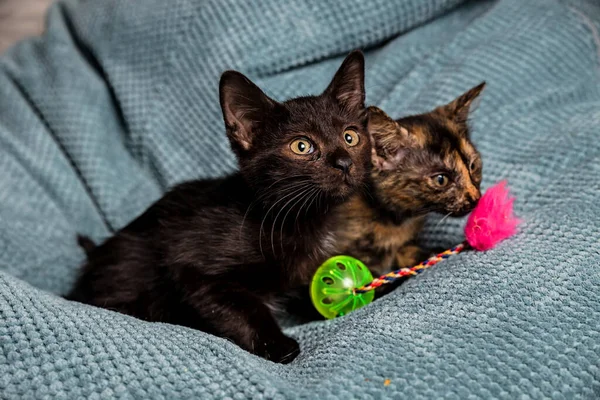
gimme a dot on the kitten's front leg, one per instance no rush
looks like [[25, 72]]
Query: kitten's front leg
[[409, 256], [406, 257], [301, 305], [232, 311]]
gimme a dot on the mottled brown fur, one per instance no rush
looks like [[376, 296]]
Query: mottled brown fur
[[409, 154], [376, 240]]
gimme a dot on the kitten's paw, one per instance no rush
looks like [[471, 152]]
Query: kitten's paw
[[410, 256], [282, 349], [428, 253]]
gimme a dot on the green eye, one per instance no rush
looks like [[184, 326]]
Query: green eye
[[441, 180]]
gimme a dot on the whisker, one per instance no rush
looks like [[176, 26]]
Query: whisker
[[314, 191], [442, 220], [287, 356], [260, 197], [278, 213], [426, 210], [364, 188], [304, 196], [319, 201], [266, 190], [310, 204], [245, 215], [260, 231], [321, 198], [283, 188]]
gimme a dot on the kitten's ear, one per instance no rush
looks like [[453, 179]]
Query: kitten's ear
[[244, 105], [390, 139], [458, 109], [348, 84]]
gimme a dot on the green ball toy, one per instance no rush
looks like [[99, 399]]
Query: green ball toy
[[332, 287]]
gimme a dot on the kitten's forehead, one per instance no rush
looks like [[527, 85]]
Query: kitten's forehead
[[319, 115], [445, 136], [317, 106], [432, 131], [439, 142]]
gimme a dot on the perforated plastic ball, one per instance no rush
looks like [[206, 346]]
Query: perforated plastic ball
[[332, 286]]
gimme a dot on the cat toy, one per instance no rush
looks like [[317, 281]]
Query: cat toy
[[343, 283]]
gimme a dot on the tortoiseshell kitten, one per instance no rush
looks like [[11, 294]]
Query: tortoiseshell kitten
[[217, 255], [421, 164]]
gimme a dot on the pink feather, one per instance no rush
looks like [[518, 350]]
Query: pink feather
[[493, 219]]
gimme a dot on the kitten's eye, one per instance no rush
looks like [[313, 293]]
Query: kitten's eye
[[441, 180], [302, 146], [351, 137], [473, 166]]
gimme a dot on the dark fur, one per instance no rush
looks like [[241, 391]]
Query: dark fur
[[218, 255], [408, 154]]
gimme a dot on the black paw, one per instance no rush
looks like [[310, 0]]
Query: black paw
[[280, 349], [301, 306]]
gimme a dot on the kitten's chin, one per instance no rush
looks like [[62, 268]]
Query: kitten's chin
[[342, 187], [458, 214], [340, 193]]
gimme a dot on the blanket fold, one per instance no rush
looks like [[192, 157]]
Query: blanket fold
[[118, 101]]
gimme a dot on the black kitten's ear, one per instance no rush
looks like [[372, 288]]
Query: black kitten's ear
[[348, 84], [244, 106], [390, 140], [458, 109]]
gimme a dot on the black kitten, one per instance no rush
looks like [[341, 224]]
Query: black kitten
[[217, 255]]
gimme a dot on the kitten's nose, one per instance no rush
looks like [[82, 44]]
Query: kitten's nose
[[474, 197], [343, 163]]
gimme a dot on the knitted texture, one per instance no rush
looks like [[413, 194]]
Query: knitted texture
[[118, 101]]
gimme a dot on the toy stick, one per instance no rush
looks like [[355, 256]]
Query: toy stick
[[417, 269]]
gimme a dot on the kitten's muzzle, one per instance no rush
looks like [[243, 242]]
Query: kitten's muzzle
[[343, 163], [473, 199], [340, 159], [468, 205]]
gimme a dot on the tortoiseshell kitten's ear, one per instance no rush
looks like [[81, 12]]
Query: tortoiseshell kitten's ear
[[458, 109], [244, 108], [390, 140]]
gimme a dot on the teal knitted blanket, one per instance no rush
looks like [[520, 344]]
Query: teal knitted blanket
[[117, 101]]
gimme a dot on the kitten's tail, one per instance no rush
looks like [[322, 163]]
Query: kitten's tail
[[86, 244]]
